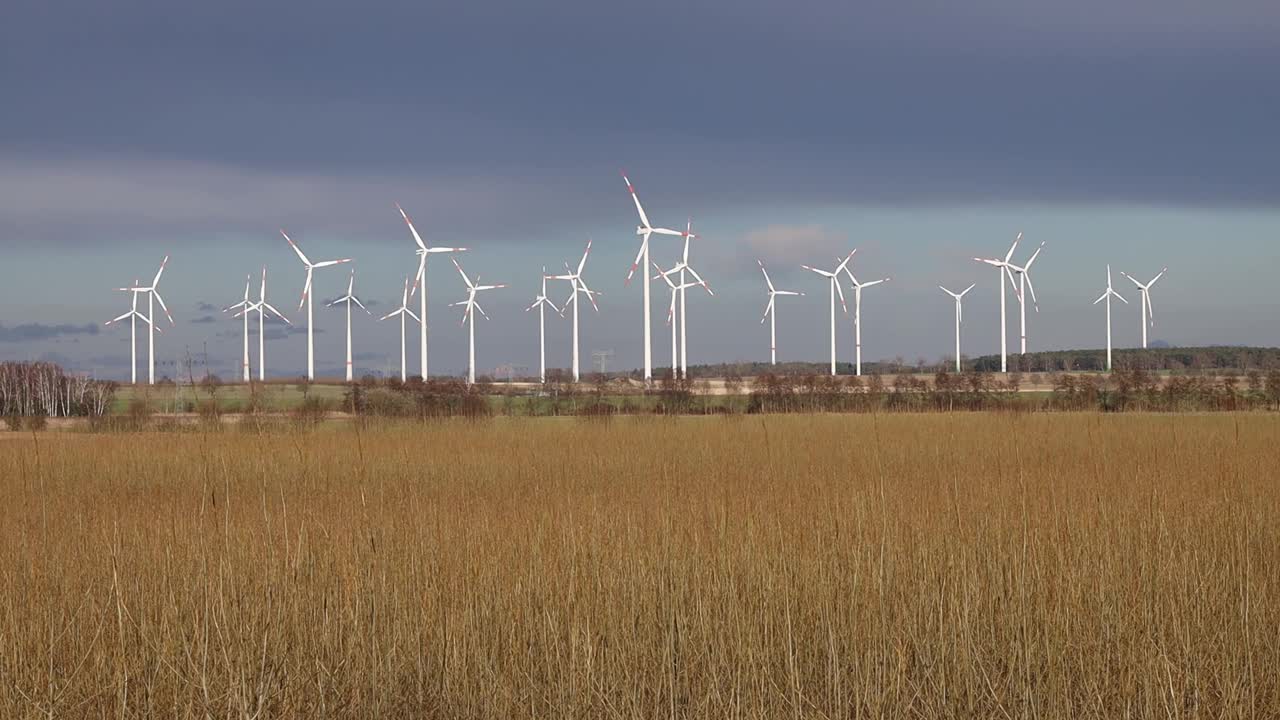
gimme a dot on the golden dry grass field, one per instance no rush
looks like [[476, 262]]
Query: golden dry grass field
[[840, 566]]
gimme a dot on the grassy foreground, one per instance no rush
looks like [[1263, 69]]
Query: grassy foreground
[[970, 565]]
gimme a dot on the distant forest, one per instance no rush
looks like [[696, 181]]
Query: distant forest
[[1174, 360]]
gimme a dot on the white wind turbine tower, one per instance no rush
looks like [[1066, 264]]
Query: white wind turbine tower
[[1148, 314], [153, 296], [676, 291], [683, 266], [833, 280], [469, 314], [1003, 267], [541, 302], [857, 315], [349, 298], [261, 306], [1024, 284], [402, 311], [133, 316], [420, 280], [959, 316], [244, 305], [579, 286], [1107, 295], [306, 299], [644, 230], [771, 314]]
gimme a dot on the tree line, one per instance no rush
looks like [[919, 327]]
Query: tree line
[[44, 390]]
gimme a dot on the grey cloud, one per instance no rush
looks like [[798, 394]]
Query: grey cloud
[[204, 320], [206, 307], [38, 331]]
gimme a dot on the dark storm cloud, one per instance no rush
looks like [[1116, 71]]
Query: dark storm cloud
[[245, 115], [37, 331]]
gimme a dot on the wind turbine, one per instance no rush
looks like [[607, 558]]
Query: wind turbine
[[771, 313], [243, 305], [1107, 295], [153, 296], [402, 311], [1002, 266], [306, 299], [833, 280], [421, 280], [1148, 314], [262, 306], [676, 291], [349, 298], [857, 315], [1024, 284], [959, 316], [644, 230], [469, 314], [540, 302], [133, 316], [579, 286], [683, 266]]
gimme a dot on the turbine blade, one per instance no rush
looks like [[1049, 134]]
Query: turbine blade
[[162, 306], [639, 254], [644, 220], [1034, 255], [156, 281], [296, 249], [767, 309], [465, 279], [416, 238], [306, 288], [583, 262], [1013, 247], [274, 311], [767, 281], [327, 263]]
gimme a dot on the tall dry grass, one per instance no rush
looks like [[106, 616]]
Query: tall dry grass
[[800, 566]]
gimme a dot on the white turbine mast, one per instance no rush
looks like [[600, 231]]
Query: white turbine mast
[[153, 296], [420, 279], [1107, 295], [469, 313], [1020, 290], [857, 314], [771, 313], [1148, 313], [306, 300], [644, 230], [578, 286], [403, 311], [1002, 266], [682, 267], [959, 316], [133, 316], [541, 302], [349, 298], [833, 279], [242, 305], [261, 307], [676, 291]]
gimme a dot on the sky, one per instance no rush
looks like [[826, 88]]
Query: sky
[[1138, 134]]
